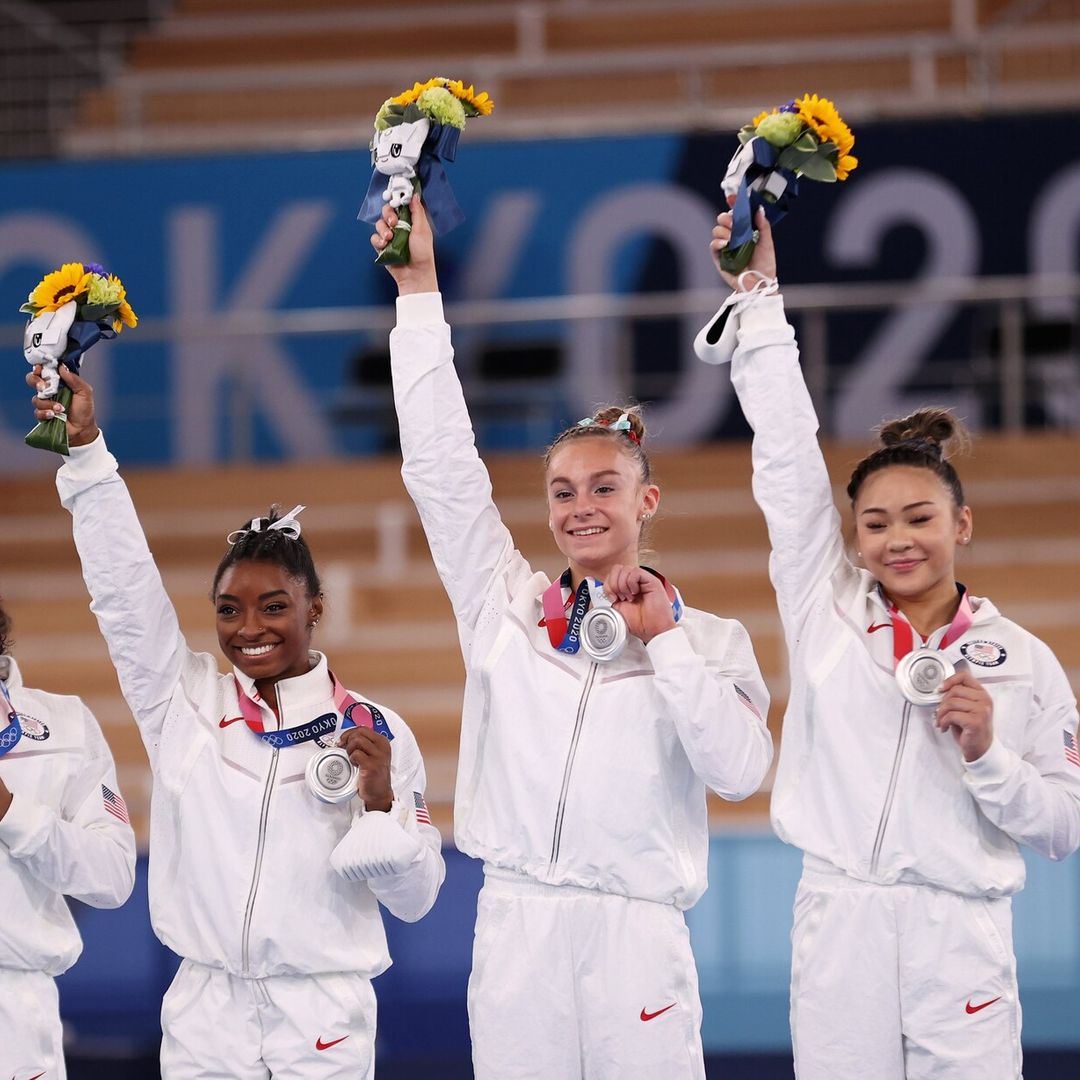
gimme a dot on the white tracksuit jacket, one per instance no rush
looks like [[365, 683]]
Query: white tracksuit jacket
[[240, 872], [571, 772], [865, 781], [57, 838]]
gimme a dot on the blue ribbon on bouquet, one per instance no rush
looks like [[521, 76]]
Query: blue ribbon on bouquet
[[82, 336], [747, 202], [439, 200]]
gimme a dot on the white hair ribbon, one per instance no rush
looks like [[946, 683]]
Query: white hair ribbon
[[286, 524]]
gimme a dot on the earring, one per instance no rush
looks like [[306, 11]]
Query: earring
[[646, 518], [314, 622], [965, 539]]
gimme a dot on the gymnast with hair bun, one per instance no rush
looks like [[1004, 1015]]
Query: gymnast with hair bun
[[927, 736], [598, 709]]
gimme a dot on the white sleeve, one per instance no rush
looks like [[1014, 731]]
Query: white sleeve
[[791, 483], [82, 849], [134, 613], [719, 709], [442, 471], [1035, 798], [397, 855]]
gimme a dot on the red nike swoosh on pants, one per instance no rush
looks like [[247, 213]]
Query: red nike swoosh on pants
[[970, 1009], [652, 1016], [320, 1045]]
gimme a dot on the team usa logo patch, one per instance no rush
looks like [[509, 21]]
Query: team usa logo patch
[[984, 653], [33, 728]]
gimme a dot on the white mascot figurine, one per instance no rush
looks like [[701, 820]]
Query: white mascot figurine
[[395, 152], [45, 342]]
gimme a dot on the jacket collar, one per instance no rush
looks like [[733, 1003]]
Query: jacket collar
[[300, 693], [9, 672]]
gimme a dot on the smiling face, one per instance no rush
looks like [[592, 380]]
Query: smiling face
[[264, 619], [907, 527], [596, 501]]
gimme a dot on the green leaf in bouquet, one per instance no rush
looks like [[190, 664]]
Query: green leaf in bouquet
[[29, 309], [396, 253], [735, 260], [94, 312], [746, 133], [807, 141], [818, 167], [412, 113], [52, 434]]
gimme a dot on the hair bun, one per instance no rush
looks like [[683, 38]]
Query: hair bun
[[938, 430], [611, 414]]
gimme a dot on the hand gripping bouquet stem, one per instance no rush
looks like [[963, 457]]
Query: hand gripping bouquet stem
[[804, 138], [70, 310], [414, 133]]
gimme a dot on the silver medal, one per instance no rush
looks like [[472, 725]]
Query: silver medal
[[920, 675], [603, 630], [331, 776]]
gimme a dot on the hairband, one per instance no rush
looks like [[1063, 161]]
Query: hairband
[[622, 424], [286, 524]]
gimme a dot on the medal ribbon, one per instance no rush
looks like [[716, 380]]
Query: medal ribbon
[[10, 736], [345, 704], [564, 633], [904, 632]]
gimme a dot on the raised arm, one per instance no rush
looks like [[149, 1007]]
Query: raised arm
[[443, 473], [84, 848], [791, 483], [135, 615]]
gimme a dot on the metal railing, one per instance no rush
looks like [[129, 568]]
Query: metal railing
[[1001, 368]]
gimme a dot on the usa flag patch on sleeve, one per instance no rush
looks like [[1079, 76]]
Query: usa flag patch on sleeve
[[1071, 753], [115, 804], [420, 806]]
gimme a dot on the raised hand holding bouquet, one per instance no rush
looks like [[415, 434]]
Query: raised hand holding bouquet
[[805, 137], [71, 309], [414, 133]]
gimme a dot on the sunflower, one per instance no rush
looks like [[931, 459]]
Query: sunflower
[[125, 316], [407, 97], [822, 118], [57, 288], [481, 103]]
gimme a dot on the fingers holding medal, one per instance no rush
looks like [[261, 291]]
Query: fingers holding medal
[[967, 710], [641, 599], [370, 753]]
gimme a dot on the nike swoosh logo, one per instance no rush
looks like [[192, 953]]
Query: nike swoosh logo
[[878, 626], [652, 1016], [225, 723], [978, 1008], [320, 1045]]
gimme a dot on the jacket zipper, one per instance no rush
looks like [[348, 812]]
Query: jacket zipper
[[556, 840], [264, 815], [891, 793]]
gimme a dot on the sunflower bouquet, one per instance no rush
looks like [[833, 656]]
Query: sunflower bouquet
[[414, 133], [806, 137], [70, 310]]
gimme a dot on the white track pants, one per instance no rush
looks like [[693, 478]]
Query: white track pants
[[574, 984], [291, 1027], [901, 982], [31, 1038]]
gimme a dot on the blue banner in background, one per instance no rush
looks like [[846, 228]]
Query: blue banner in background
[[200, 237]]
